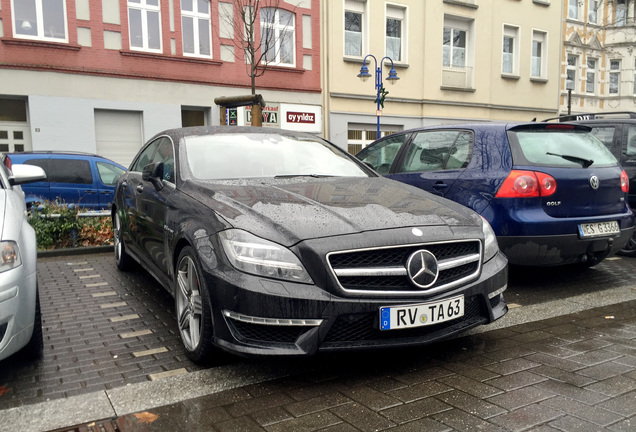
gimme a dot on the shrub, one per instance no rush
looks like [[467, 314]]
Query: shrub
[[60, 226]]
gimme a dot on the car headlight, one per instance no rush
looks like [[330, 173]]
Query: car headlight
[[9, 256], [262, 257], [490, 241]]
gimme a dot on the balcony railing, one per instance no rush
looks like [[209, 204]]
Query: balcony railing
[[460, 77]]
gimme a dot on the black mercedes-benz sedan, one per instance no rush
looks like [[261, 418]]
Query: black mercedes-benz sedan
[[280, 243]]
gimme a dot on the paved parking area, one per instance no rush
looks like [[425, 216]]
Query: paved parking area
[[102, 329], [112, 350]]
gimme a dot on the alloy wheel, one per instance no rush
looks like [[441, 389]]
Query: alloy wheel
[[189, 304]]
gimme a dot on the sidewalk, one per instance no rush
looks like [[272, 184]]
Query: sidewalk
[[574, 372]]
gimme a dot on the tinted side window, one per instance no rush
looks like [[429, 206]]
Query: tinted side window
[[69, 171], [42, 163], [109, 173], [631, 141], [438, 150], [145, 157], [605, 134], [381, 154]]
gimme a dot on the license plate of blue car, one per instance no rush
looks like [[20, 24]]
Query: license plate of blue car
[[422, 314], [595, 229]]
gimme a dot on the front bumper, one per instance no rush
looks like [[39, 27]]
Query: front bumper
[[17, 309], [257, 316]]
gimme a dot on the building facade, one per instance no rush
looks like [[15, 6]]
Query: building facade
[[103, 76], [599, 58], [457, 61]]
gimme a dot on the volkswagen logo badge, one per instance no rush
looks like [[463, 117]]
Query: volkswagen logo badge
[[422, 268], [594, 181]]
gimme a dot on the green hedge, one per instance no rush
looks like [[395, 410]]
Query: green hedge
[[60, 226]]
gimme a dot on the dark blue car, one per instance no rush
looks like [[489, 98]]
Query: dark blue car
[[553, 193], [83, 179]]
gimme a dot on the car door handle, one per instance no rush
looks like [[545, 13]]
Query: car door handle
[[105, 192], [440, 185], [140, 188], [91, 191]]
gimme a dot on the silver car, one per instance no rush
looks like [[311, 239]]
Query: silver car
[[20, 319]]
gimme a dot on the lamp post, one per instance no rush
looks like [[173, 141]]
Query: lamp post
[[365, 75], [569, 85]]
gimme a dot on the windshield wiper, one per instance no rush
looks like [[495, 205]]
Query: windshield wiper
[[584, 162], [303, 175]]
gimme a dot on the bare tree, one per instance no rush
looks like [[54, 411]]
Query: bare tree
[[263, 32]]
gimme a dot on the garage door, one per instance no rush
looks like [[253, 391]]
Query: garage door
[[118, 134]]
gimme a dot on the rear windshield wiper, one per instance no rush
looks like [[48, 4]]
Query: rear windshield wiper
[[584, 162]]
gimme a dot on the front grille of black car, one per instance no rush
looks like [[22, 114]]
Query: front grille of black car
[[265, 334], [462, 263], [363, 329]]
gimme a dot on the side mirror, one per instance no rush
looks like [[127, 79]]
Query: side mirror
[[22, 174], [153, 172]]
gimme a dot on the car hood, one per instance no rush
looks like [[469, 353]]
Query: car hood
[[292, 210], [3, 209]]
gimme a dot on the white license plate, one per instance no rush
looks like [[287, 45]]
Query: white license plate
[[417, 315], [599, 229]]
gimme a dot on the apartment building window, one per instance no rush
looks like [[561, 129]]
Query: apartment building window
[[394, 33], [592, 11], [590, 76], [457, 52], [614, 76], [354, 28], [144, 21], [573, 9], [538, 64], [510, 56], [195, 28], [40, 19], [454, 47], [570, 72], [621, 13], [277, 36]]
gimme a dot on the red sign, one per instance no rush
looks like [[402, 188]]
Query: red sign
[[301, 117]]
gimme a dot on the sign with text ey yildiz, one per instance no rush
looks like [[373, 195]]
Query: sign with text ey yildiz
[[302, 118]]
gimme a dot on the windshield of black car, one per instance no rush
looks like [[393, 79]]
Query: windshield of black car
[[559, 148], [252, 155]]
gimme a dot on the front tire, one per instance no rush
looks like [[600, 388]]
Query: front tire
[[192, 305], [123, 261]]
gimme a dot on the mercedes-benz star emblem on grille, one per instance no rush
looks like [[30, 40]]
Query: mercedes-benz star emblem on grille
[[422, 268], [594, 182]]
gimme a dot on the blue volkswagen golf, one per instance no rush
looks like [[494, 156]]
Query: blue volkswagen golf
[[553, 193]]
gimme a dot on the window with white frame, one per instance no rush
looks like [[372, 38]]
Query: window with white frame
[[454, 46], [510, 51], [614, 76], [395, 18], [539, 46], [277, 37], [570, 72], [573, 9], [592, 11], [144, 21], [195, 28], [354, 28], [590, 76], [40, 19]]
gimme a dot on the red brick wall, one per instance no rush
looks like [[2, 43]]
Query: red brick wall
[[72, 58]]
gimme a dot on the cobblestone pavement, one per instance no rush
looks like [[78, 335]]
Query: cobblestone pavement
[[107, 332], [102, 329], [570, 373]]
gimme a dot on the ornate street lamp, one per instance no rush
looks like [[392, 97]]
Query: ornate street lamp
[[381, 93]]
